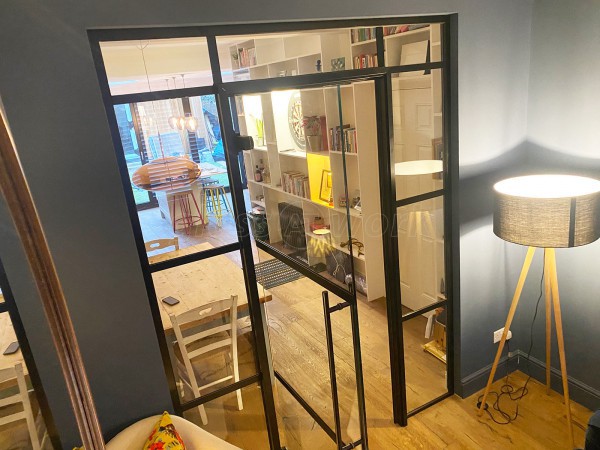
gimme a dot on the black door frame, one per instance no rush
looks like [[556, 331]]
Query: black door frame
[[223, 90]]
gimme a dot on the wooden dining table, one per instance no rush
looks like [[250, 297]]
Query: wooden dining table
[[198, 283]]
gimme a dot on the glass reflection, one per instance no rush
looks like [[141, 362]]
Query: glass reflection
[[176, 162], [421, 250], [418, 133], [244, 428], [21, 417], [425, 357], [156, 64]]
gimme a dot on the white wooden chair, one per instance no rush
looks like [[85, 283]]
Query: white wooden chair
[[20, 398], [158, 244], [191, 346]]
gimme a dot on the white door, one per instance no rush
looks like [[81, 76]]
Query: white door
[[419, 225]]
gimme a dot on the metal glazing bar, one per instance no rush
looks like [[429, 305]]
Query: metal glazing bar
[[360, 386], [427, 66], [141, 97], [306, 406], [332, 376], [420, 198], [107, 35], [430, 403], [198, 256], [387, 181], [423, 310], [230, 388], [451, 206]]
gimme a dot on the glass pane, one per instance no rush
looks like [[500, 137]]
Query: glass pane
[[15, 381], [251, 57], [299, 350], [196, 307], [245, 428], [156, 64], [421, 250], [418, 133], [425, 357], [412, 44], [315, 151], [297, 429], [176, 161]]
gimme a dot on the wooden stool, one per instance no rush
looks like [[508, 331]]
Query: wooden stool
[[215, 199], [185, 207]]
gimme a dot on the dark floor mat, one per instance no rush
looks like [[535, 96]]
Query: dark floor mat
[[273, 273]]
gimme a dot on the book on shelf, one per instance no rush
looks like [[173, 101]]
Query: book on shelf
[[362, 34], [349, 142], [295, 183], [365, 61], [246, 57], [397, 29]]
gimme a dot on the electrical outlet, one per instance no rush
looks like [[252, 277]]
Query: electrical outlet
[[498, 335]]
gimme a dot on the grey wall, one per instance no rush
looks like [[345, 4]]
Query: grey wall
[[563, 135], [47, 78]]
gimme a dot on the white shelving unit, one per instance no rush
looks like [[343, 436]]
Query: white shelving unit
[[281, 155], [297, 54], [285, 55]]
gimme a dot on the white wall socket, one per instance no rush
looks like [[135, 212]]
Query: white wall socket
[[498, 335]]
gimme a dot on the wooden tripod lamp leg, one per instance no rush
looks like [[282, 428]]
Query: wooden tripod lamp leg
[[509, 319], [548, 290], [561, 342]]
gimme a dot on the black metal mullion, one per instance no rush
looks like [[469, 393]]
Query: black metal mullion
[[257, 313], [451, 177], [387, 181], [425, 309], [141, 97], [360, 387], [332, 376], [430, 403], [420, 197], [108, 35], [193, 257], [230, 388]]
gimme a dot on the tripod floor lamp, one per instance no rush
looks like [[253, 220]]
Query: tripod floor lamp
[[545, 211]]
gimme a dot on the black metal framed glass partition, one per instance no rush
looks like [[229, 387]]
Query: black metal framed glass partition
[[315, 220]]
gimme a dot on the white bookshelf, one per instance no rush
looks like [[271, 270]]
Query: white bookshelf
[[358, 110], [286, 55]]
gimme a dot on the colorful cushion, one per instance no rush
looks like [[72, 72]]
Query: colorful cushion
[[164, 436]]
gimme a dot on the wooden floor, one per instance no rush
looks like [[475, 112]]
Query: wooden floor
[[297, 338], [299, 354]]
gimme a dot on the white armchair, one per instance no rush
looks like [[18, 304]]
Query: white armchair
[[194, 437]]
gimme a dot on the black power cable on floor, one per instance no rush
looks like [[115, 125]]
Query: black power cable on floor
[[507, 389]]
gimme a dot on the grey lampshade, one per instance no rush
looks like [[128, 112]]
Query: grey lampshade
[[549, 211]]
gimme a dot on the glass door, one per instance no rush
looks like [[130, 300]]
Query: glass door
[[309, 170]]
